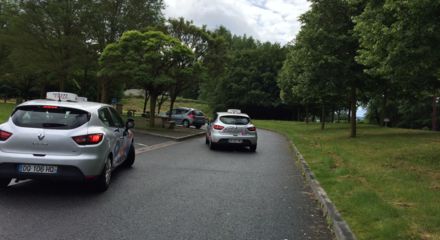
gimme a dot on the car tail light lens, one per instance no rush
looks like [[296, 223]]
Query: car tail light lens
[[49, 107], [4, 135], [252, 129], [89, 139], [218, 127]]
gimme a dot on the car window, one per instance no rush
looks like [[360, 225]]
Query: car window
[[235, 120], [198, 113], [105, 116], [117, 120], [52, 117]]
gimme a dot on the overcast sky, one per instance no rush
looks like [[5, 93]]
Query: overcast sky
[[265, 20]]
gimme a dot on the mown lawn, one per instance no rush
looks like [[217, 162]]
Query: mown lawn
[[5, 111], [385, 183]]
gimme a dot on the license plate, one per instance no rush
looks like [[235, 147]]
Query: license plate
[[32, 168], [235, 141]]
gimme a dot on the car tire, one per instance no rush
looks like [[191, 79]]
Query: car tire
[[198, 126], [4, 182], [130, 157], [103, 181], [185, 123], [253, 148], [212, 145]]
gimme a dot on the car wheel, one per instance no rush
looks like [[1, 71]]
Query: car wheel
[[185, 123], [212, 145], [198, 126], [4, 182], [253, 148], [103, 181], [130, 157]]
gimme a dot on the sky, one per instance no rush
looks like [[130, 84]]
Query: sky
[[265, 20]]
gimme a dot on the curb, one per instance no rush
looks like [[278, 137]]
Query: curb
[[177, 139], [340, 227]]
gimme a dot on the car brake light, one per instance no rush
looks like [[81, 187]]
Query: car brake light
[[252, 129], [49, 107], [4, 135], [191, 115], [218, 127], [88, 139]]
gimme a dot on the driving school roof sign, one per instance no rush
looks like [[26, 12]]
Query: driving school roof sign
[[62, 96]]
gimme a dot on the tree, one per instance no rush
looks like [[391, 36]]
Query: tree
[[399, 43], [146, 58]]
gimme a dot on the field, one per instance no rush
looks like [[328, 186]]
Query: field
[[385, 183], [5, 111]]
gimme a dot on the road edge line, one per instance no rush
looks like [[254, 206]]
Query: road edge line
[[177, 139]]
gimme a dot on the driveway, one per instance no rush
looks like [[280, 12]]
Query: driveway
[[180, 191]]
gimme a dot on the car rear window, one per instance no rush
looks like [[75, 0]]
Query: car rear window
[[52, 117], [235, 120], [198, 113]]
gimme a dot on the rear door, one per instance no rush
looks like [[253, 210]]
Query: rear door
[[46, 130], [123, 139], [106, 117]]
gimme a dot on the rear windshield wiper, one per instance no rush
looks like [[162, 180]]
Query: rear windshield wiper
[[53, 125]]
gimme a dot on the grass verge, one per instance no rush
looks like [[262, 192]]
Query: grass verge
[[385, 182], [5, 111]]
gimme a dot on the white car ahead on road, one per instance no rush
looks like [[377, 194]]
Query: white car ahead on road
[[231, 128], [66, 138]]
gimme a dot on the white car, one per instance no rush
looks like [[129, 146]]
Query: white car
[[65, 138], [231, 128]]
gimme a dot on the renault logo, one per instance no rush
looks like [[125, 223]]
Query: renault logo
[[41, 136]]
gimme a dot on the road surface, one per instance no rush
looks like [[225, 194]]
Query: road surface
[[178, 191]]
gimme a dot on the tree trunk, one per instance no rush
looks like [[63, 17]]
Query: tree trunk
[[338, 115], [172, 100], [161, 101], [383, 112], [349, 114], [306, 119], [153, 99], [333, 115], [434, 113], [322, 117], [353, 112], [104, 91], [146, 97]]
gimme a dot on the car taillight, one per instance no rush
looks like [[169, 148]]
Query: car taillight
[[4, 135], [191, 116], [218, 127], [49, 107], [252, 129], [88, 139]]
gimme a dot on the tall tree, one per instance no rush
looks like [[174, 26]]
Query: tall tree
[[146, 58], [399, 41]]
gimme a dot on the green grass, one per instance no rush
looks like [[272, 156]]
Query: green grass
[[385, 183], [5, 111]]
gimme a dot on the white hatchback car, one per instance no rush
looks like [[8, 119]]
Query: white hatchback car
[[64, 139], [231, 128]]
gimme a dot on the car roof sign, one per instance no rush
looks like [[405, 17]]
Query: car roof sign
[[62, 96], [234, 111]]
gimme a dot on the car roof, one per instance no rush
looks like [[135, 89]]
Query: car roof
[[86, 106], [221, 114]]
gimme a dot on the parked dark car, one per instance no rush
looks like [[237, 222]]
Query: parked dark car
[[188, 117]]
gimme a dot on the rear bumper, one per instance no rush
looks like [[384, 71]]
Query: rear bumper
[[69, 167], [65, 173], [222, 139]]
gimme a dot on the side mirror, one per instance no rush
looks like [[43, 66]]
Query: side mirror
[[129, 124]]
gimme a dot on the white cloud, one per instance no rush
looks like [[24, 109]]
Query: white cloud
[[266, 20]]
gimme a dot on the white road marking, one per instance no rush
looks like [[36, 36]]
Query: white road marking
[[156, 146]]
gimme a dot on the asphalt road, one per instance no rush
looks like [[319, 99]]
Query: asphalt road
[[182, 191]]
